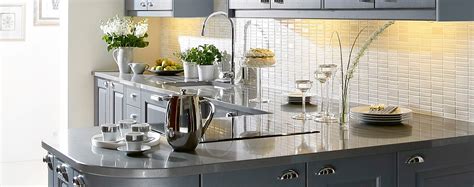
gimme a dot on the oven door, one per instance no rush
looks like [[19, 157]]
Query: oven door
[[154, 111]]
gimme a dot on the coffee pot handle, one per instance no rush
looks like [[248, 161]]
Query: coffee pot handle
[[210, 116]]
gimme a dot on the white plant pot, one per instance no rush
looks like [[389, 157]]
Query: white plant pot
[[190, 70], [206, 72]]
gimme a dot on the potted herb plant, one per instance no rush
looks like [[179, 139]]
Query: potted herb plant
[[206, 56], [122, 35], [189, 58]]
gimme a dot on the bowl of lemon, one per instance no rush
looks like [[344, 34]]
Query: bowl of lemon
[[166, 67]]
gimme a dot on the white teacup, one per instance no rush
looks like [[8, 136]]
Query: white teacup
[[126, 126], [134, 141], [142, 127], [110, 132], [138, 68]]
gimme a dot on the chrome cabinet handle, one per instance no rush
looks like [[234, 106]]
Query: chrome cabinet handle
[[78, 181], [62, 170], [391, 1], [159, 98], [288, 175], [133, 116], [48, 159], [230, 114], [133, 95], [106, 84], [328, 170], [142, 4], [365, 1], [279, 1], [265, 1], [150, 4], [416, 159], [112, 85]]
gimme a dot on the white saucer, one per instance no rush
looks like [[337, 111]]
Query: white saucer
[[143, 149], [97, 141]]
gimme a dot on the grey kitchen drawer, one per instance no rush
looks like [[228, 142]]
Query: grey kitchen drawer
[[133, 113], [287, 175], [364, 171], [133, 96]]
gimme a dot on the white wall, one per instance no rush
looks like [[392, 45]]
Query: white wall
[[87, 52], [29, 90]]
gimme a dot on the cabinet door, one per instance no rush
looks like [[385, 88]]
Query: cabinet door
[[296, 4], [405, 4], [153, 111], [249, 4], [117, 103], [367, 171], [451, 165], [349, 4], [102, 101], [278, 176], [160, 4], [133, 113], [136, 4]]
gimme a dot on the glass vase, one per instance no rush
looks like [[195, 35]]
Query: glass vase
[[344, 107]]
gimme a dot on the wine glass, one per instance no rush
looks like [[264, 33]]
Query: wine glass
[[323, 78], [303, 86], [330, 71]]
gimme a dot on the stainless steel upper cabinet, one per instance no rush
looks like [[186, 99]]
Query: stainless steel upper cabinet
[[405, 4], [160, 4], [296, 4], [249, 4], [349, 4]]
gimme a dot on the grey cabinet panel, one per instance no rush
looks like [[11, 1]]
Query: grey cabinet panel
[[160, 4], [133, 113], [366, 171], [133, 97], [136, 4], [257, 177], [187, 181], [439, 166], [102, 105], [295, 4], [349, 4], [249, 4], [405, 4], [118, 106]]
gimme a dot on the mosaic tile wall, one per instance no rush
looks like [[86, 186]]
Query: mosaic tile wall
[[426, 66]]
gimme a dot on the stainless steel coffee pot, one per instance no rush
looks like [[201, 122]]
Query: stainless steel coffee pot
[[184, 125]]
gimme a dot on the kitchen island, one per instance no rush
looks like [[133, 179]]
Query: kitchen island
[[425, 151]]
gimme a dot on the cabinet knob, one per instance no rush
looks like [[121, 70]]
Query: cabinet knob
[[279, 1], [365, 1], [133, 116], [48, 159], [112, 85], [78, 181], [106, 84], [133, 95], [416, 159], [265, 1], [142, 4], [288, 175], [62, 170], [150, 4], [328, 170]]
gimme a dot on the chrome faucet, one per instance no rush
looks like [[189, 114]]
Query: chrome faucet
[[232, 61]]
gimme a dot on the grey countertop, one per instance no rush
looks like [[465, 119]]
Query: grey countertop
[[74, 145]]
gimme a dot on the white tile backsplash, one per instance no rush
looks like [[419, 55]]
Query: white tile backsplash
[[426, 66]]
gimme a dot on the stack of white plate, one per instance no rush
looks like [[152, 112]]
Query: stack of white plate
[[296, 98], [364, 114]]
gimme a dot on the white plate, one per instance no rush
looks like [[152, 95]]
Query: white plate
[[365, 110], [97, 141], [380, 117], [143, 149]]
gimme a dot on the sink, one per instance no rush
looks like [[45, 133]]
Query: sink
[[199, 85]]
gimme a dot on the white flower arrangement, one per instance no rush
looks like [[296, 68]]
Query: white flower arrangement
[[124, 32]]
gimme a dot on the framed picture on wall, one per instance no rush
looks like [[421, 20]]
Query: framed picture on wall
[[47, 12], [12, 22]]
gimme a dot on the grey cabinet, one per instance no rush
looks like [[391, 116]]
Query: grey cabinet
[[134, 113], [109, 102], [437, 167], [278, 176], [169, 8], [63, 175], [349, 4], [403, 4], [366, 171], [249, 4]]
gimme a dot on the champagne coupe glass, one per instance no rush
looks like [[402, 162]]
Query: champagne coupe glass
[[303, 86]]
